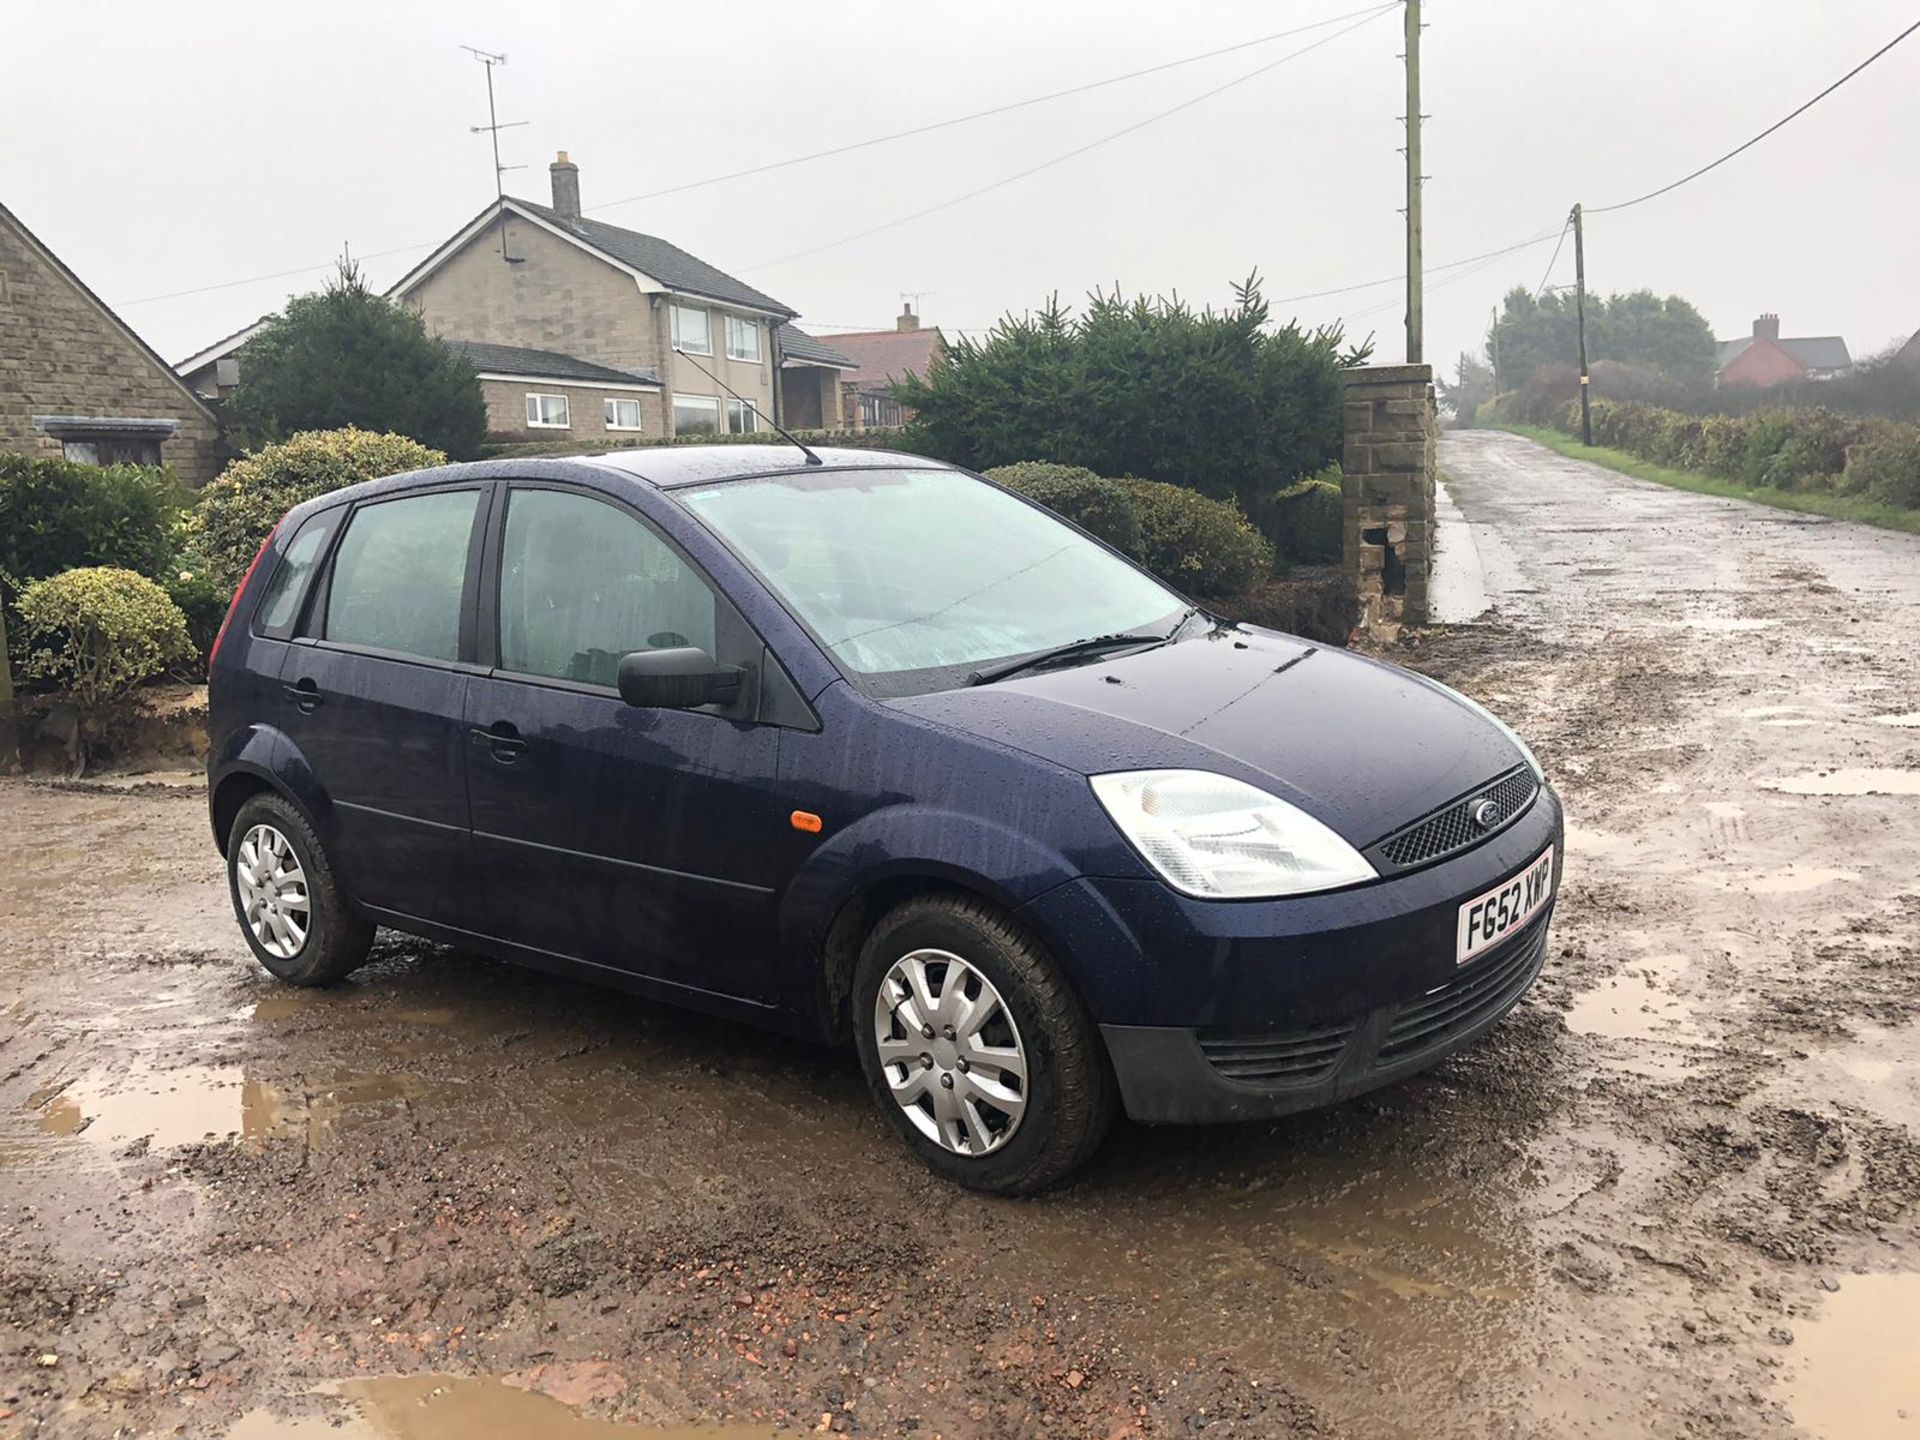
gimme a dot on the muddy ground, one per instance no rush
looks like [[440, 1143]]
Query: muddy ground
[[1674, 1193]]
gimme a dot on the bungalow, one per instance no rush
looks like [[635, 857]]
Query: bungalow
[[882, 357], [75, 380], [1763, 359]]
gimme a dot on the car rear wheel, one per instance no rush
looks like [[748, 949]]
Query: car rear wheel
[[289, 905], [977, 1049]]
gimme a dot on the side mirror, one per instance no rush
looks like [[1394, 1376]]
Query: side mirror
[[683, 678]]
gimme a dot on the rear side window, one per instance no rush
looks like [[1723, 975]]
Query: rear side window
[[399, 574], [290, 580], [582, 583]]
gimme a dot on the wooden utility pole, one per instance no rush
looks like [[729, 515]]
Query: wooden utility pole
[[1415, 338], [1493, 344], [1580, 310]]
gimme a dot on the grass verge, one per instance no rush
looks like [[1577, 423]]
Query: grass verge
[[1809, 502]]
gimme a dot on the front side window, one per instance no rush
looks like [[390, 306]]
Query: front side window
[[622, 414], [548, 412], [915, 578], [290, 578], [742, 417], [583, 583], [399, 574], [743, 339], [690, 332], [696, 415]]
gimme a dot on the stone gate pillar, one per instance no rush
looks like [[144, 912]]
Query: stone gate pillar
[[1387, 533]]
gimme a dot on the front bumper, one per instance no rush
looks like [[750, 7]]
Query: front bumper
[[1176, 1075], [1231, 1010]]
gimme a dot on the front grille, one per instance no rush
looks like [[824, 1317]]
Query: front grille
[[1471, 997], [1277, 1057], [1452, 829]]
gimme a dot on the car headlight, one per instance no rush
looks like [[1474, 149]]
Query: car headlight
[[1220, 839], [1505, 729]]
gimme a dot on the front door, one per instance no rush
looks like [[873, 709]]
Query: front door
[[640, 840], [373, 702]]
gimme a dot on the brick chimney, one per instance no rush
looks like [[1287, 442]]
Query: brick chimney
[[906, 321], [566, 187], [1766, 327]]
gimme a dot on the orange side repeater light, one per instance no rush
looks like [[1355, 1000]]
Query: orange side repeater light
[[805, 821]]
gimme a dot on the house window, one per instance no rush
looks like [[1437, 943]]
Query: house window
[[743, 339], [696, 415], [548, 412], [879, 410], [690, 332], [622, 414], [742, 417]]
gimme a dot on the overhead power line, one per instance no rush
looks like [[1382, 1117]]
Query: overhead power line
[[986, 114], [1748, 145], [1258, 40], [1078, 150], [1547, 274]]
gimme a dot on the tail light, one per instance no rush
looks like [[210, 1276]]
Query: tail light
[[241, 589]]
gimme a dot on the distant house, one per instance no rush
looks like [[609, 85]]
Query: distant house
[[1909, 353], [215, 371], [882, 357], [75, 380], [1763, 359]]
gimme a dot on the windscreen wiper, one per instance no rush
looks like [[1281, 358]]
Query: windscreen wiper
[[1090, 646]]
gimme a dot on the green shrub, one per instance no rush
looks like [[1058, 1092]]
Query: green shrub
[[55, 515], [201, 598], [98, 631], [1204, 547], [240, 508], [1307, 519], [1099, 506], [1887, 468]]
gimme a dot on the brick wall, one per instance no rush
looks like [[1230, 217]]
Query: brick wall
[[60, 354], [1388, 466], [507, 413]]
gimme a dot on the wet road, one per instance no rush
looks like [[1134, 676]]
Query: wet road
[[1674, 1192]]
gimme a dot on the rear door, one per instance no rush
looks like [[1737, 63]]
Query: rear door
[[645, 840], [373, 693]]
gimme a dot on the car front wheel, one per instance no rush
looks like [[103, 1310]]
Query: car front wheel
[[977, 1049], [290, 908]]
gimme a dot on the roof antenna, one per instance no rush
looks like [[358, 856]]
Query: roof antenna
[[812, 459], [494, 123]]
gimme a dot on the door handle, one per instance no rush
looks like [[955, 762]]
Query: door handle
[[305, 694], [501, 739]]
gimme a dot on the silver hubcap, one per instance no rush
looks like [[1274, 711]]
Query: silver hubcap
[[951, 1052], [273, 891]]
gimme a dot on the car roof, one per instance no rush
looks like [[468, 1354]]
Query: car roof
[[664, 467]]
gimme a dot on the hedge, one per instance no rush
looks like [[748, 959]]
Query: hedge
[[56, 515], [895, 437], [1099, 506], [1802, 448]]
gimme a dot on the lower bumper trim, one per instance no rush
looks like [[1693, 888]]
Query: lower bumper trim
[[1176, 1075]]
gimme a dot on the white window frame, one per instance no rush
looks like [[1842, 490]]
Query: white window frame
[[750, 328], [535, 410], [681, 342], [700, 402], [609, 409], [741, 410]]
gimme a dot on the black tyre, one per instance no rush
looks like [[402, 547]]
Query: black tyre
[[286, 898], [976, 1048]]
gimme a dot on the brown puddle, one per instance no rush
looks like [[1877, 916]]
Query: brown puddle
[[1849, 782], [191, 1103], [1638, 1003], [445, 1407], [1858, 1376], [1790, 881]]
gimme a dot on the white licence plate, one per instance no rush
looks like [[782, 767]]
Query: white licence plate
[[1488, 919]]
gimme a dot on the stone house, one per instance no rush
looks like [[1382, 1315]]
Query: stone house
[[1763, 359], [76, 380], [696, 350]]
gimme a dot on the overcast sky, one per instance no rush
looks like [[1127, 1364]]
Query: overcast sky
[[163, 147]]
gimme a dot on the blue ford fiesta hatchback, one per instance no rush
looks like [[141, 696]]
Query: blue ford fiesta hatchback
[[862, 747]]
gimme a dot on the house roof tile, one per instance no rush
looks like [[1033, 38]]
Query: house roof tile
[[665, 262], [796, 344], [884, 355], [545, 364], [1816, 352]]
